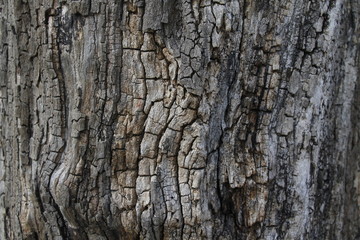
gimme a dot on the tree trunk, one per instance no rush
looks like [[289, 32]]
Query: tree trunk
[[175, 119]]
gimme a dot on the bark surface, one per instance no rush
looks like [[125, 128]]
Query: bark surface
[[179, 119]]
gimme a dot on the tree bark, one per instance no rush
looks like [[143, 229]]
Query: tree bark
[[163, 119]]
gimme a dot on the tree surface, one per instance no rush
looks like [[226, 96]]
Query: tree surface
[[179, 119]]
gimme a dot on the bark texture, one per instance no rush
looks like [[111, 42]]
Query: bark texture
[[179, 119]]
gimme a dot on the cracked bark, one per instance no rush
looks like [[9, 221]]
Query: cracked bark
[[179, 119]]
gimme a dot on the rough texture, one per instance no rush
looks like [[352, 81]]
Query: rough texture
[[179, 119]]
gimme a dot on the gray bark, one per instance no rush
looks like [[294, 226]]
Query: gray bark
[[175, 119]]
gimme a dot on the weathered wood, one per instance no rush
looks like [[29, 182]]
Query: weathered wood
[[165, 119]]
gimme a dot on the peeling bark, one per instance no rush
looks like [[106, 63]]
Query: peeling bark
[[180, 119]]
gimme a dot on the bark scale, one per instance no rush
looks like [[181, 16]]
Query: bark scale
[[179, 119]]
